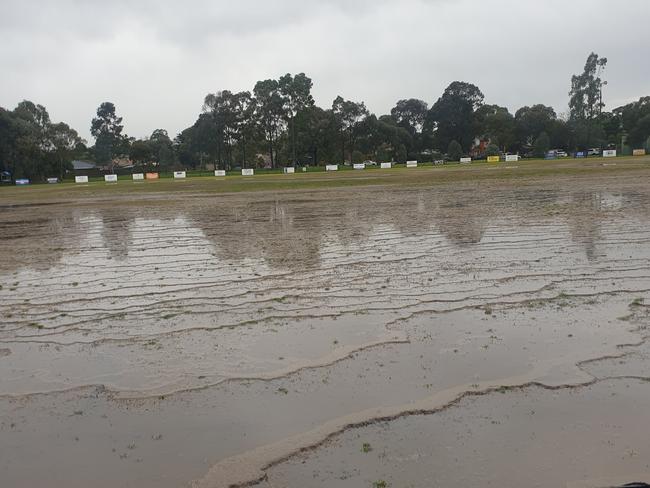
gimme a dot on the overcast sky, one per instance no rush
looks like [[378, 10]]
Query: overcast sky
[[157, 59]]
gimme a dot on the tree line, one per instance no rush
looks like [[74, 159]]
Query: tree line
[[279, 124]]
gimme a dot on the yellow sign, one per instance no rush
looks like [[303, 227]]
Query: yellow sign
[[638, 152], [493, 159]]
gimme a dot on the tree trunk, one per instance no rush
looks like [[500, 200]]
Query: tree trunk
[[243, 150], [293, 138]]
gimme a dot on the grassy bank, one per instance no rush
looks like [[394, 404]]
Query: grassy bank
[[314, 180]]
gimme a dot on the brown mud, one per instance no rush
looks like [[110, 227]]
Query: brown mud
[[259, 337]]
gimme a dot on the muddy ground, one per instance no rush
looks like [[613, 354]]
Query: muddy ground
[[474, 333]]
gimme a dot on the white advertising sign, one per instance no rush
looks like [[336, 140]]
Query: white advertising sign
[[247, 172], [138, 176], [359, 166], [411, 164], [81, 179], [465, 160], [110, 178], [609, 153], [289, 170], [179, 174], [52, 180], [512, 157], [219, 172], [331, 167], [386, 166]]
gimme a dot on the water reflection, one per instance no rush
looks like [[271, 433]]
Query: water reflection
[[289, 233]]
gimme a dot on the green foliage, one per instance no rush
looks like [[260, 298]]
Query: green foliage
[[32, 146], [453, 115], [496, 124], [278, 123], [585, 94], [357, 157], [454, 151], [347, 117], [542, 145], [634, 118], [296, 94], [410, 114], [492, 150], [107, 128]]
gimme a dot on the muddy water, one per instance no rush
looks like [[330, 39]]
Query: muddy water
[[159, 342]]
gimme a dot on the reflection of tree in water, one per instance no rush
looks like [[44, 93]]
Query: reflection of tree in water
[[116, 230], [585, 215], [461, 218], [289, 233], [587, 210], [285, 235], [37, 239]]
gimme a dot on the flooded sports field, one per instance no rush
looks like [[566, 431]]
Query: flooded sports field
[[471, 333]]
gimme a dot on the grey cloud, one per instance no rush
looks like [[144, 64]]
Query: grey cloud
[[157, 59]]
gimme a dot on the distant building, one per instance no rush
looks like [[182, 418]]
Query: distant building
[[121, 162], [83, 165]]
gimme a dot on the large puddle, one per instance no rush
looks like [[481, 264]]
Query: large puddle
[[211, 339]]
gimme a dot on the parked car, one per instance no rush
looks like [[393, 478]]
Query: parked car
[[370, 163], [560, 153]]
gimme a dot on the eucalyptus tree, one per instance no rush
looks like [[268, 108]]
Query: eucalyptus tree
[[347, 115], [270, 113], [107, 128], [452, 117], [585, 101], [296, 94]]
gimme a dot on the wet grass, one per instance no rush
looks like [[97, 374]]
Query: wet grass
[[421, 176]]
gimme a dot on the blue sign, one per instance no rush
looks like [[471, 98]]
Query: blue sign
[[581, 154], [22, 181]]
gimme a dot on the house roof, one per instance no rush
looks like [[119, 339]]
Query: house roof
[[77, 165]]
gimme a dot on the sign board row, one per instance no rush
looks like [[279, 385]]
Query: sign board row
[[609, 153]]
